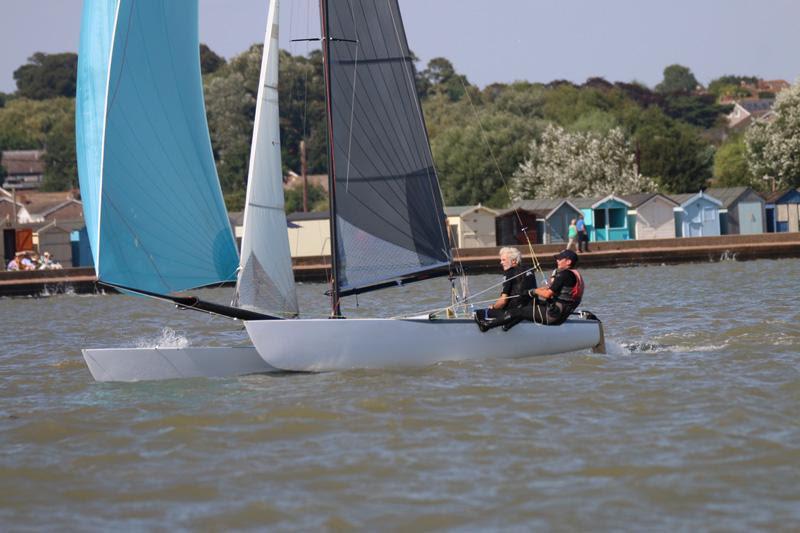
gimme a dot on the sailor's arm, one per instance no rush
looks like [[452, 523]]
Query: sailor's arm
[[500, 302], [545, 293]]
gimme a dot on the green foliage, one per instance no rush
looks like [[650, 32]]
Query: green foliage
[[317, 199], [234, 200], [698, 110], [731, 86], [47, 76], [677, 79], [476, 158], [440, 77], [730, 165], [302, 105], [2, 99], [230, 108], [209, 60], [671, 152], [61, 167], [564, 164], [43, 125], [774, 148]]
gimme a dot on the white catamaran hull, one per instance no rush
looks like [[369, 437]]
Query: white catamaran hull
[[323, 344], [147, 364]]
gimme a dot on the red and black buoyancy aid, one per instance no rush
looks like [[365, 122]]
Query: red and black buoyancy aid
[[573, 294]]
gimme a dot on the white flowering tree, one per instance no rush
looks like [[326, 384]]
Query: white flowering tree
[[773, 148], [582, 164]]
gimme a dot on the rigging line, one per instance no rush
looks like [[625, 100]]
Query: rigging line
[[485, 138], [410, 79], [487, 289], [428, 311]]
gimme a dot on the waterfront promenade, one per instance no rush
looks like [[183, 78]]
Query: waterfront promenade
[[477, 260]]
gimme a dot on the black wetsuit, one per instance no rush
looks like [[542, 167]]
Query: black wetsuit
[[567, 287], [516, 287]]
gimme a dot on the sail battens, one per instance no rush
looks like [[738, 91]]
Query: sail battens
[[387, 210], [261, 206]]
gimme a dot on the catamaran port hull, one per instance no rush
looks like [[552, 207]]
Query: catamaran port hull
[[150, 364], [319, 345]]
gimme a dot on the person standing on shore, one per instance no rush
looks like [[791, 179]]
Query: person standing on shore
[[572, 235], [583, 235]]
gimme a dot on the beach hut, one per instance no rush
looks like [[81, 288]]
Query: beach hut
[[549, 217], [518, 225], [56, 240], [472, 226], [606, 218], [309, 234], [697, 215], [651, 216], [783, 211], [742, 210]]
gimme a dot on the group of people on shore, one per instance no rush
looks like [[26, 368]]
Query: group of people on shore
[[520, 299], [33, 261], [578, 235]]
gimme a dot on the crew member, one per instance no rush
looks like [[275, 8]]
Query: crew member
[[516, 291], [553, 303]]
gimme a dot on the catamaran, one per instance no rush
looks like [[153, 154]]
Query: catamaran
[[142, 135]]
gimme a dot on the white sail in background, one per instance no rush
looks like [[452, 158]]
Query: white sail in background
[[266, 282]]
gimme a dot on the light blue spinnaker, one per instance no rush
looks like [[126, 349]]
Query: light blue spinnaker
[[95, 52], [152, 198]]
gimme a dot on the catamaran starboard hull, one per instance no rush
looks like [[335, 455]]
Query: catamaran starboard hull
[[150, 364], [318, 345]]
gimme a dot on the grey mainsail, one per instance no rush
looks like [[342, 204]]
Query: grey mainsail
[[389, 221]]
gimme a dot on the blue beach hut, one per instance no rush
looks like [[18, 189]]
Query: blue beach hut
[[783, 211], [697, 215], [742, 210], [606, 218]]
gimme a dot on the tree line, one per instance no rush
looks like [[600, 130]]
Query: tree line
[[490, 145]]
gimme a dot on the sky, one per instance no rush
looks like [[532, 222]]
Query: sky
[[492, 40]]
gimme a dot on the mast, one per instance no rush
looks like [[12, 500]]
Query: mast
[[323, 11]]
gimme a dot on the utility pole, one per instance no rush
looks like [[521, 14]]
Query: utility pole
[[304, 174], [14, 203]]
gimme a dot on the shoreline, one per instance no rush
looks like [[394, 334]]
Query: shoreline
[[608, 254]]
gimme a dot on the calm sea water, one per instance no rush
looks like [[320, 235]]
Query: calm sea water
[[690, 422]]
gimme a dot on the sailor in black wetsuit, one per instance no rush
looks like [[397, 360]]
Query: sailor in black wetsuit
[[515, 294], [553, 303]]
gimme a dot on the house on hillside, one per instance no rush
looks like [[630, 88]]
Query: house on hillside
[[651, 216], [8, 211], [782, 211], [49, 206], [742, 211], [746, 111], [24, 169], [471, 226], [697, 215]]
